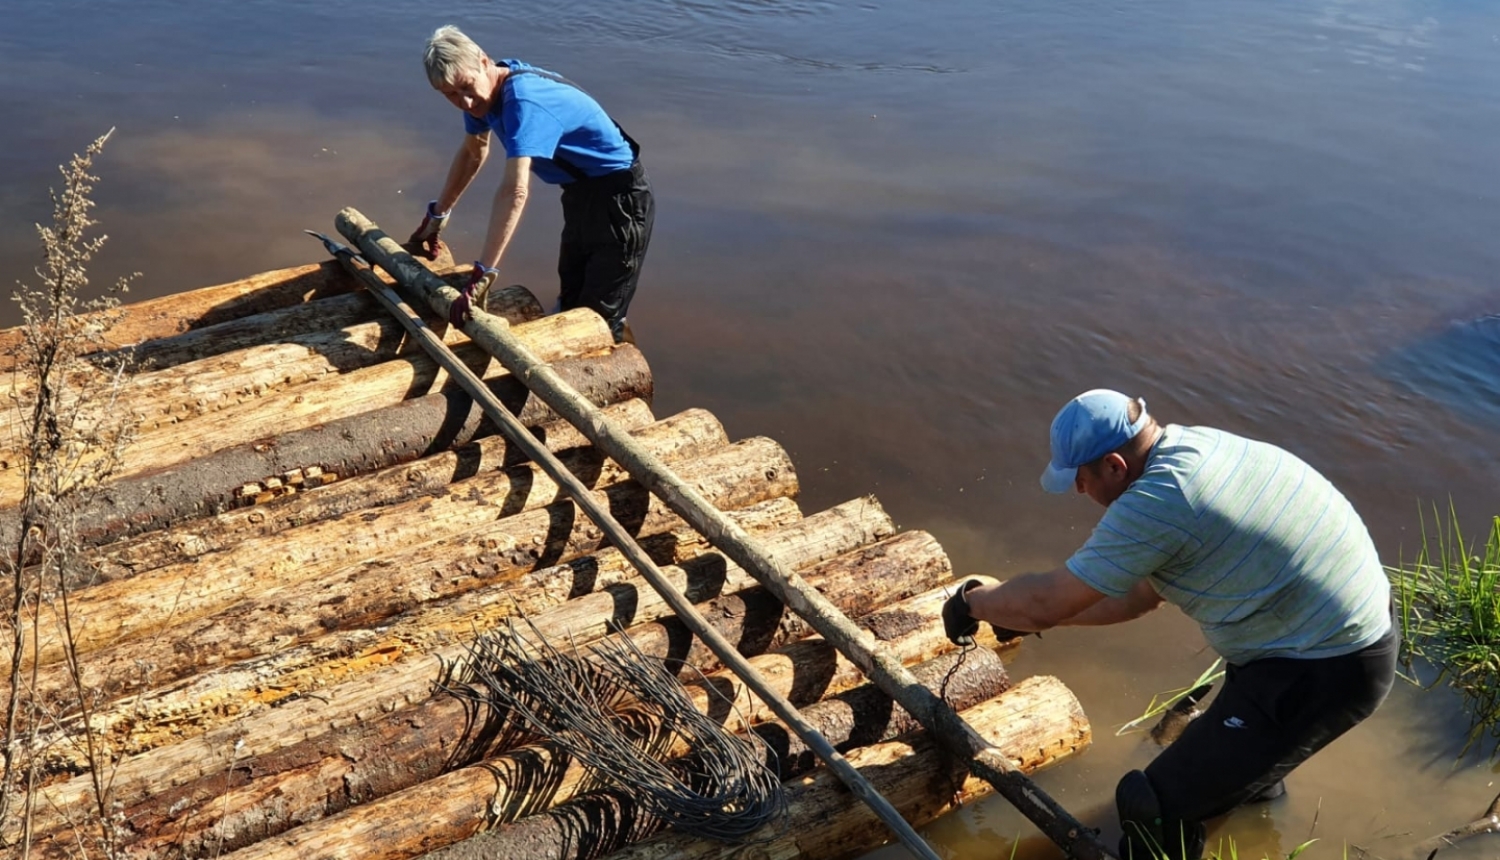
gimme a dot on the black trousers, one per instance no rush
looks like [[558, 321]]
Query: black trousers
[[1269, 717], [607, 224]]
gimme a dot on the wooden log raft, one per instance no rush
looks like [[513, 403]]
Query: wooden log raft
[[404, 682], [204, 479], [429, 547], [271, 793], [1035, 723]]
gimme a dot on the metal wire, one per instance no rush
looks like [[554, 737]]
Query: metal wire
[[619, 713]]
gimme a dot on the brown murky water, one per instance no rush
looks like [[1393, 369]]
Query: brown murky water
[[896, 237]]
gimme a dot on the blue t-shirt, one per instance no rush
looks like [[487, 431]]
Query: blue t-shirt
[[1249, 541], [542, 118]]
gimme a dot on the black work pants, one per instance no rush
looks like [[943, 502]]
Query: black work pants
[[606, 227], [1269, 717]]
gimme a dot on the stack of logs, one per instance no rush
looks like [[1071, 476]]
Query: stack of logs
[[311, 524]]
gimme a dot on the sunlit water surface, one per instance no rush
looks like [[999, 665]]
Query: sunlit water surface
[[896, 237]]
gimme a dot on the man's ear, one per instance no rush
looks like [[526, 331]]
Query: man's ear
[[1115, 464]]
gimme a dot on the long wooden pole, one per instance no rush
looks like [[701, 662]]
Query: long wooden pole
[[985, 760], [622, 540]]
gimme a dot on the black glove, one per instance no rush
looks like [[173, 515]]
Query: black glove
[[481, 278], [958, 624], [961, 626], [426, 236]]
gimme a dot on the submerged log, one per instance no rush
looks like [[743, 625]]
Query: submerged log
[[272, 793], [1034, 724], [417, 550], [210, 480], [686, 434], [409, 681]]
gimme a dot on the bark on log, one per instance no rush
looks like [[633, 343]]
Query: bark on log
[[161, 398], [1056, 822], [326, 576], [858, 718], [273, 793], [408, 681], [1035, 723], [210, 481], [686, 434]]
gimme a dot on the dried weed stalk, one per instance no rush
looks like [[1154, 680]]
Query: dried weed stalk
[[71, 440]]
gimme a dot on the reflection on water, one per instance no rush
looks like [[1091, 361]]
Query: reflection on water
[[896, 237]]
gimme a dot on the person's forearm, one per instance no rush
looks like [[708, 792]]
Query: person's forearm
[[466, 165], [1110, 610], [505, 217], [1020, 603]]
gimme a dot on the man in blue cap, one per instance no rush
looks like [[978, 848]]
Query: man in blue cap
[[1253, 544], [549, 127]]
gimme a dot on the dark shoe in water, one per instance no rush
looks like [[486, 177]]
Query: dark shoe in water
[[1269, 793]]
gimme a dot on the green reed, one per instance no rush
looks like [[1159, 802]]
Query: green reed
[[1448, 601]]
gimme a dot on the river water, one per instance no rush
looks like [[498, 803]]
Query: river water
[[896, 237]]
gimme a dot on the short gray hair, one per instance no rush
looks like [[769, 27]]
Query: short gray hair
[[449, 52]]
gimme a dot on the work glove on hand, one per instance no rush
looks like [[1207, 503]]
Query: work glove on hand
[[960, 626], [426, 237], [481, 278]]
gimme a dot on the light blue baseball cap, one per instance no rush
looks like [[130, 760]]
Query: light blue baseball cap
[[1091, 425]]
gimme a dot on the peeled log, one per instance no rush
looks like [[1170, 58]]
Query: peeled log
[[409, 681], [1035, 723], [211, 480], [418, 550], [223, 378], [686, 434], [860, 717], [293, 785]]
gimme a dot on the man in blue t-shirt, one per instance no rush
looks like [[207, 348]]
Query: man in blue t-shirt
[[1256, 547], [549, 127]]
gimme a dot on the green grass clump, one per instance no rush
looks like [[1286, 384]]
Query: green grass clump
[[1448, 599]]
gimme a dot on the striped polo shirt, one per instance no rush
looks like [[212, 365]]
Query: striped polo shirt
[[1250, 542]]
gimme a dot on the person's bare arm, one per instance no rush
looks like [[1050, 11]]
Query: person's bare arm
[[1032, 601], [466, 165], [1113, 610], [505, 216]]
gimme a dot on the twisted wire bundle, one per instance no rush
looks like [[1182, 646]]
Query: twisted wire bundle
[[619, 712]]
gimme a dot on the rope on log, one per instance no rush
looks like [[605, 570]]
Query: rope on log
[[785, 710], [985, 761]]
